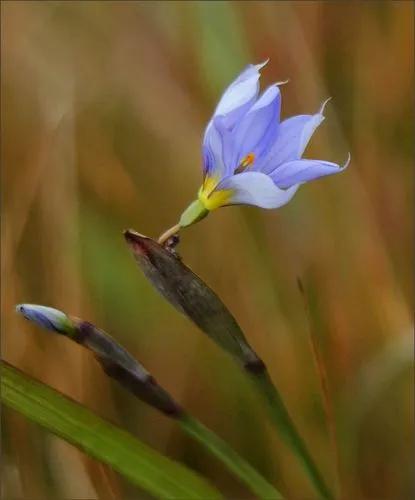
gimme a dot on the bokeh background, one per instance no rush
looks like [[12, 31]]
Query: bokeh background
[[103, 108]]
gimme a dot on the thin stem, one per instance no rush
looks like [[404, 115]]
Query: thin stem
[[167, 234], [289, 433], [324, 389], [260, 486]]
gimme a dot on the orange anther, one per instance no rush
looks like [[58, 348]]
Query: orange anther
[[248, 160]]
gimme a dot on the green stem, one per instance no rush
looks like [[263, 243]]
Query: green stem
[[287, 429], [262, 488]]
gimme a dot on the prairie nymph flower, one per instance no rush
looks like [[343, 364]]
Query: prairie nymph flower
[[250, 157]]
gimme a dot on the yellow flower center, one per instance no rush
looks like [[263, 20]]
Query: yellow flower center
[[212, 199]]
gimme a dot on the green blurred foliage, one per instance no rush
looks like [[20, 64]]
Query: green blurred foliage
[[103, 108]]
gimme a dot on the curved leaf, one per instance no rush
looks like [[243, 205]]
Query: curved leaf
[[159, 475]]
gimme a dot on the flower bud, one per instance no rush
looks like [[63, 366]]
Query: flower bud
[[47, 317], [192, 297], [116, 361]]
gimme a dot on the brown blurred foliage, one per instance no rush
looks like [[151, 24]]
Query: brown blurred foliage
[[103, 107]]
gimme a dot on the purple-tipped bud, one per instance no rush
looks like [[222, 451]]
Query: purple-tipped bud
[[47, 317], [116, 361]]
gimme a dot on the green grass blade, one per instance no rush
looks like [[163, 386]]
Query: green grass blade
[[282, 421], [143, 466], [260, 486]]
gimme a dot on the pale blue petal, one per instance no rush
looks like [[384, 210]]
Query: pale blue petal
[[212, 149], [299, 171], [254, 188], [228, 145], [293, 136], [258, 129], [240, 95]]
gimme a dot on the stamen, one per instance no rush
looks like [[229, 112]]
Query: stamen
[[245, 163]]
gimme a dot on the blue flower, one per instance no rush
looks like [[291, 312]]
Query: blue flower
[[47, 317], [250, 157]]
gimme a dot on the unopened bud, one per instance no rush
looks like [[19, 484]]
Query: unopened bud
[[47, 317]]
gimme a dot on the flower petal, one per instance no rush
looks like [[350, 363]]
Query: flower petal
[[299, 171], [240, 95], [258, 129], [255, 188], [212, 149], [293, 136]]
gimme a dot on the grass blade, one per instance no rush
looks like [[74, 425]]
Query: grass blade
[[324, 385], [234, 462], [159, 475], [282, 420]]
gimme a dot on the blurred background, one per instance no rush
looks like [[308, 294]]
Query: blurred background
[[103, 108]]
